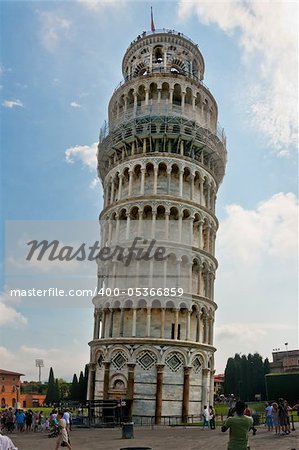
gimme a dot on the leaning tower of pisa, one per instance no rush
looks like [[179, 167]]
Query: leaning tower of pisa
[[161, 159]]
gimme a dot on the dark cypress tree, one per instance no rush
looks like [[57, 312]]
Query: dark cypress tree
[[75, 389], [230, 377], [85, 381], [57, 391], [81, 388], [244, 378], [51, 396]]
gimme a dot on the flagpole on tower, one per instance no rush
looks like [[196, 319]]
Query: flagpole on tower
[[152, 21]]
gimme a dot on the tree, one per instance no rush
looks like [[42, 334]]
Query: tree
[[85, 381], [51, 396], [230, 377], [245, 376], [75, 389], [81, 388]]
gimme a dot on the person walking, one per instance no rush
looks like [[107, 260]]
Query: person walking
[[63, 437], [212, 418], [269, 418], [206, 417], [239, 426]]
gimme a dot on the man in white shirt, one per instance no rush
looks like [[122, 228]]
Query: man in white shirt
[[6, 443]]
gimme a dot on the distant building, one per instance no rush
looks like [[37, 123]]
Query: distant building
[[17, 394], [10, 387], [218, 383], [285, 361]]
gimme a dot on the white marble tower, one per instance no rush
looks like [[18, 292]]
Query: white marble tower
[[161, 159]]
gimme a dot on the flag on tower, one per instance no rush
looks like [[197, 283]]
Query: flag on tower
[[152, 21]]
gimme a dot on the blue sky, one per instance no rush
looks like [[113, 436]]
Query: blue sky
[[60, 62]]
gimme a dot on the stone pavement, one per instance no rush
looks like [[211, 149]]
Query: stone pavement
[[159, 438]]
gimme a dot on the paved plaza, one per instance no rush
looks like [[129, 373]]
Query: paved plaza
[[159, 438]]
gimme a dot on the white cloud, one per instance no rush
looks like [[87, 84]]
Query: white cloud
[[12, 104], [256, 286], [75, 105], [87, 155], [53, 29], [271, 230], [8, 315], [64, 361], [100, 5], [267, 33]]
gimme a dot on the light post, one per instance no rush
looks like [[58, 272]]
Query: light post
[[39, 363], [287, 364]]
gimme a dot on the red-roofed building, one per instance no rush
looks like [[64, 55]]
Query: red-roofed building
[[11, 395], [10, 383], [218, 383]]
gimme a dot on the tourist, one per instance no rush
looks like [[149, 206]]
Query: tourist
[[239, 426], [248, 413], [287, 411], [206, 417], [9, 423], [28, 419], [20, 419], [275, 417], [269, 419], [6, 443], [212, 418], [282, 415], [66, 417], [63, 437]]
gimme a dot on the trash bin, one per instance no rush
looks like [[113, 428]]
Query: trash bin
[[256, 419], [128, 430]]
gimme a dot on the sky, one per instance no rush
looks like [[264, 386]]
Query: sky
[[60, 63]]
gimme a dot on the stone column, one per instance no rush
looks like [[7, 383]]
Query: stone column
[[162, 331], [170, 96], [181, 183], [112, 192], [122, 317], [148, 322], [103, 324], [128, 226], [188, 325], [155, 180], [146, 96], [176, 323], [135, 103], [130, 183], [192, 176], [183, 100], [120, 187], [140, 213], [168, 180], [211, 400], [159, 393], [133, 148], [142, 180], [130, 388], [134, 322], [201, 197], [200, 224], [167, 224], [111, 323], [153, 231], [144, 146], [204, 397], [186, 392], [106, 381], [109, 231], [198, 327], [91, 381], [180, 223]]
